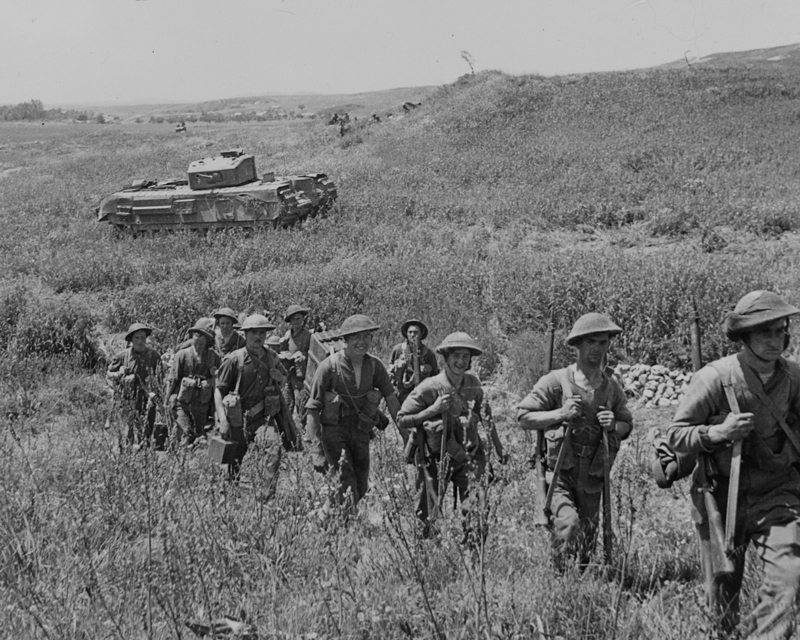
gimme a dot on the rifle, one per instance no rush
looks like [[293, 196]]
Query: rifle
[[541, 515], [493, 435], [608, 532], [443, 452], [417, 374], [424, 480], [716, 563]]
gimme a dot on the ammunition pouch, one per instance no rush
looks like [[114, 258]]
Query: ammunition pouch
[[331, 407]]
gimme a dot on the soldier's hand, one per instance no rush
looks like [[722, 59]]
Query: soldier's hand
[[425, 369], [607, 419], [277, 375], [442, 403], [736, 426], [224, 427], [399, 364], [572, 408]]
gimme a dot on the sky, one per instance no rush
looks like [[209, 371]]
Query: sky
[[66, 52]]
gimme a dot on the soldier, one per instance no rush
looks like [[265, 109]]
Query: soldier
[[766, 388], [247, 398], [295, 344], [343, 409], [227, 338], [447, 406], [402, 359], [133, 372], [190, 383], [584, 397]]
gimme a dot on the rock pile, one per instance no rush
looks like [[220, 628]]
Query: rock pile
[[655, 385]]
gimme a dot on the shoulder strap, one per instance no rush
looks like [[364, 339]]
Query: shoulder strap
[[757, 390]]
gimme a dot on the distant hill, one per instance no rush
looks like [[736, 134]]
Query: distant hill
[[360, 105], [783, 58]]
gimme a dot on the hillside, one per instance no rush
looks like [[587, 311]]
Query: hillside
[[500, 202]]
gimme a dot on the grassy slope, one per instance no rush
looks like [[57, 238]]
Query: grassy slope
[[499, 199]]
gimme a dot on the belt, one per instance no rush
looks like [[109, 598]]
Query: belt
[[255, 410]]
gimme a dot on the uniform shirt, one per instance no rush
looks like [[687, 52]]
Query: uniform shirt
[[767, 454], [402, 351], [255, 374], [467, 397], [140, 363], [222, 347], [187, 362], [548, 395], [336, 374], [291, 343]]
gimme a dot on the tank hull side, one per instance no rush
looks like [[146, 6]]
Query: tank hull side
[[248, 206]]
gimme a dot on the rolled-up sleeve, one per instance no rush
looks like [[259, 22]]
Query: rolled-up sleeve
[[545, 396], [319, 385], [422, 397], [688, 432]]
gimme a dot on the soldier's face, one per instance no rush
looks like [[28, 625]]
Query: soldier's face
[[199, 341], [297, 320], [139, 340], [458, 360], [359, 343], [254, 338], [767, 341], [225, 325], [593, 348], [413, 334]]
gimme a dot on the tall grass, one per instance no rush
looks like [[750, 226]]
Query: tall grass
[[503, 201]]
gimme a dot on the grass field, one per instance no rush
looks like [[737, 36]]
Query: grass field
[[501, 201]]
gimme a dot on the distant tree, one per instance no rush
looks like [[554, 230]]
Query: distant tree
[[138, 121], [467, 57], [82, 117], [302, 107], [100, 119]]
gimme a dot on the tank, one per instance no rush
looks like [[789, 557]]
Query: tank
[[220, 192]]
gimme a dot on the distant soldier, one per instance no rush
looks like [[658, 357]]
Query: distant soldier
[[411, 357], [190, 383], [247, 398], [584, 396], [447, 406], [766, 388], [295, 344], [227, 339], [134, 372], [343, 409]]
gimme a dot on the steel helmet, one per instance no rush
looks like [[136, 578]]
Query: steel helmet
[[755, 309], [357, 324], [138, 326], [423, 329], [257, 321], [273, 342], [459, 340], [226, 312], [204, 326], [590, 323], [295, 308]]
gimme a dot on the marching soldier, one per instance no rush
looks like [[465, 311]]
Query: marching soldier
[[586, 400], [766, 388], [227, 339], [409, 354], [343, 409], [447, 406], [295, 343], [133, 372], [190, 383], [247, 398]]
